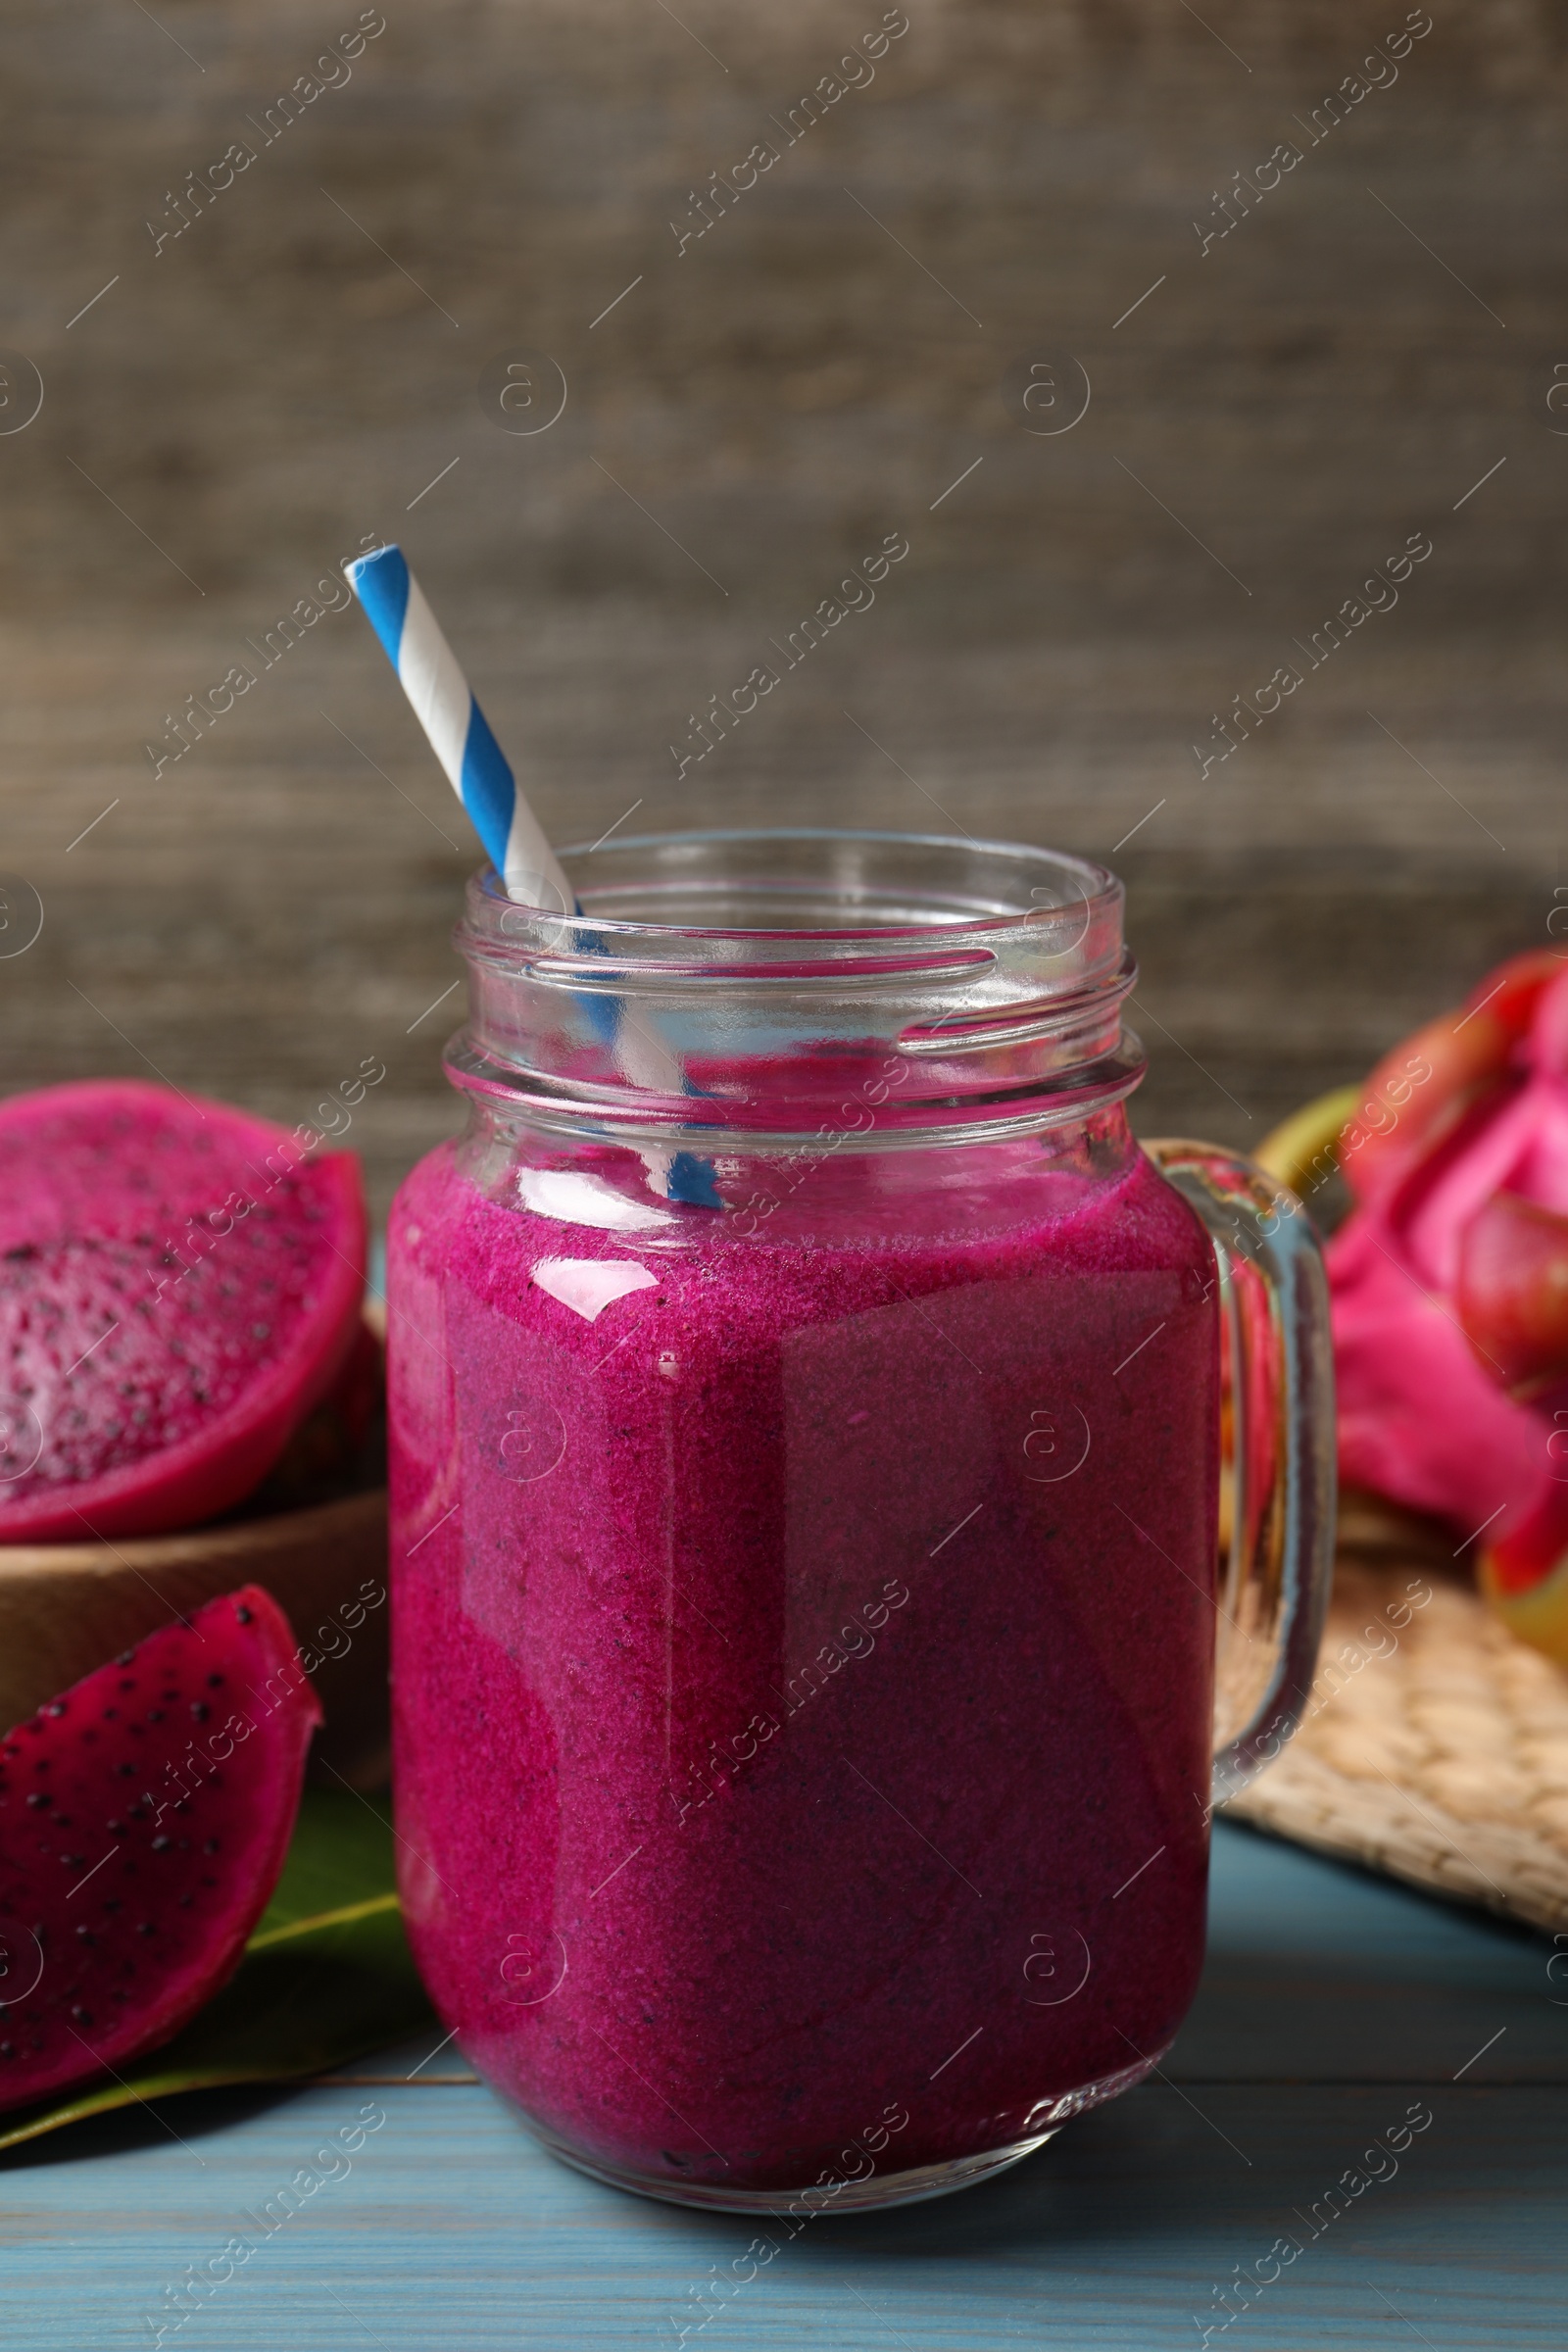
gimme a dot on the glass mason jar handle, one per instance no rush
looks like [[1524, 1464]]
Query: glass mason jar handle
[[1277, 1478]]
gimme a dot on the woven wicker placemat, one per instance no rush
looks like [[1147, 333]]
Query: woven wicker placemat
[[1436, 1744]]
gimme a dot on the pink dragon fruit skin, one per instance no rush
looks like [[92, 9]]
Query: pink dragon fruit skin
[[1450, 1278]]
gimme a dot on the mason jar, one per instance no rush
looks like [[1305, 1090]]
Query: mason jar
[[806, 1469]]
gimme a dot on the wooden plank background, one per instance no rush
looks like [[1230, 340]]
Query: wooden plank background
[[247, 399]]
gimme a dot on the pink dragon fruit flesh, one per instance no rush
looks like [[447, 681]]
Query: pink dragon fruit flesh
[[144, 1818], [179, 1285]]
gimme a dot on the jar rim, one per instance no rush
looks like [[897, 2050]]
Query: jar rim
[[991, 975], [968, 884]]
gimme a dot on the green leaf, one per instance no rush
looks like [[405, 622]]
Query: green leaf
[[328, 1977], [341, 1852]]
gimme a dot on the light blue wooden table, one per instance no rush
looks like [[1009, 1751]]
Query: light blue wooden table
[[1333, 2003]]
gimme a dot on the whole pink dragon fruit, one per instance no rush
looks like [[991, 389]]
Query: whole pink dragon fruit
[[1451, 1285]]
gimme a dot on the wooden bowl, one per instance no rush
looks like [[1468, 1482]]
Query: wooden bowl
[[66, 1607]]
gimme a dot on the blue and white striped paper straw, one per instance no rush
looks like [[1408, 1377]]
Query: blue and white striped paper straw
[[479, 775], [458, 731]]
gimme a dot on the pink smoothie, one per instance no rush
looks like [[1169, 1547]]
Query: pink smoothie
[[803, 1661]]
